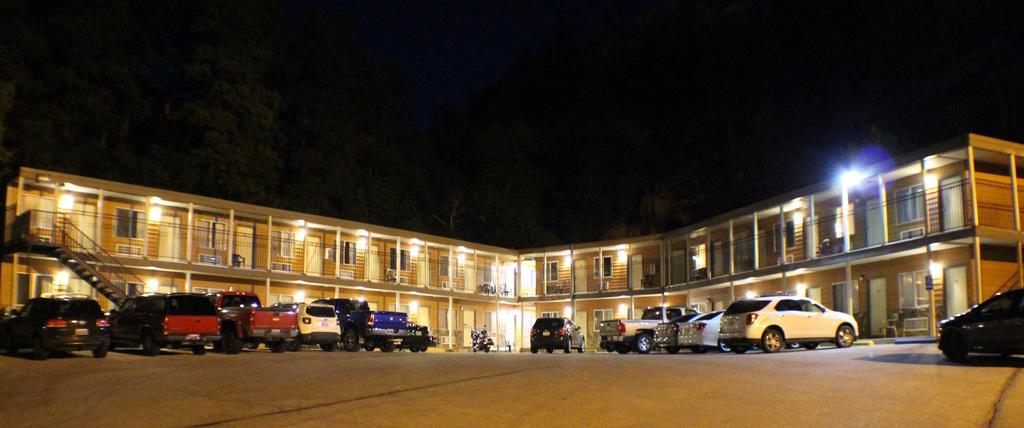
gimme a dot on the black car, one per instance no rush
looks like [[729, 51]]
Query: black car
[[61, 323], [556, 333], [995, 326], [418, 340]]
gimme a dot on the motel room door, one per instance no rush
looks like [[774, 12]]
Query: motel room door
[[951, 199], [170, 237], [372, 263], [244, 245], [314, 258], [636, 270], [879, 306], [955, 286]]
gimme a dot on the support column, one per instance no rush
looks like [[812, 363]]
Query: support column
[[188, 283], [927, 212], [145, 229], [188, 233], [977, 270], [519, 279], [931, 293], [632, 304], [883, 205], [572, 270], [708, 271], [845, 212], [267, 288], [231, 237], [732, 251], [1013, 188], [270, 247], [451, 313], [337, 255], [398, 260], [544, 274], [99, 215], [974, 194], [452, 268], [426, 263], [757, 250], [337, 290], [366, 258], [14, 275], [398, 301], [600, 271], [782, 245], [850, 292], [1020, 265], [813, 233]]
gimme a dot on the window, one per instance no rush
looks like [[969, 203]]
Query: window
[[606, 266], [999, 307], [849, 221], [442, 319], [699, 256], [210, 234], [787, 305], [348, 253], [810, 307], [602, 315], [404, 262], [551, 271], [550, 315], [281, 243], [488, 273], [909, 204], [128, 224], [678, 266], [790, 236], [442, 266], [329, 253], [913, 293]]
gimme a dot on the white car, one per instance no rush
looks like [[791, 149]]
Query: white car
[[318, 325], [701, 333], [768, 322]]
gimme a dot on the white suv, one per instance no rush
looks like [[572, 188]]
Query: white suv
[[768, 322], [318, 325]]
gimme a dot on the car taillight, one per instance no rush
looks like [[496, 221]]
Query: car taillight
[[102, 322], [700, 325], [622, 327], [306, 320], [369, 320], [56, 323], [533, 332], [252, 317], [561, 331], [751, 318]]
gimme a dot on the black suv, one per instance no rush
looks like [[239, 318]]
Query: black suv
[[61, 323], [556, 333], [995, 326]]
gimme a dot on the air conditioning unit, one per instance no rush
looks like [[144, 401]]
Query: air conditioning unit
[[344, 274], [446, 284], [209, 259], [283, 267], [129, 250], [789, 258], [912, 233], [605, 285]]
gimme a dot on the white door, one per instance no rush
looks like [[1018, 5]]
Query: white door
[[877, 299], [86, 223], [314, 257], [420, 264], [636, 270], [372, 263], [955, 279], [840, 297], [170, 238], [244, 246], [952, 200], [579, 273], [470, 279], [874, 224], [581, 322], [468, 325]]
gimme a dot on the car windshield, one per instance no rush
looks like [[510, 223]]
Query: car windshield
[[79, 309], [651, 314], [706, 317], [549, 323], [189, 305], [744, 306], [239, 301], [320, 311]]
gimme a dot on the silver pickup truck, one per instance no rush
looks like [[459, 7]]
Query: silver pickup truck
[[623, 336]]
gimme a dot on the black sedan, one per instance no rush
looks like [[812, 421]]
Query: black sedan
[[996, 326], [418, 340], [61, 323]]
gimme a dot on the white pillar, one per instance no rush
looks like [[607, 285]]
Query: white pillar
[[337, 255], [267, 287], [99, 215], [845, 212], [398, 260], [757, 251], [600, 268], [451, 313], [426, 263], [145, 230], [270, 248], [924, 197], [544, 274], [188, 282], [732, 251], [398, 301], [231, 237], [974, 196], [188, 233], [883, 204], [1013, 188], [813, 221]]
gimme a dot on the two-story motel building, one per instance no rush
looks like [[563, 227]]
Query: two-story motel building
[[899, 245]]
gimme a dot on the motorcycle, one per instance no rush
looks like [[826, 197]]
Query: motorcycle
[[481, 342]]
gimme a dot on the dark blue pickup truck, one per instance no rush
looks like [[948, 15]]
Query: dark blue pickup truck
[[369, 329]]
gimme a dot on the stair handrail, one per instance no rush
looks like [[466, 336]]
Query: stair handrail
[[92, 251], [1009, 284]]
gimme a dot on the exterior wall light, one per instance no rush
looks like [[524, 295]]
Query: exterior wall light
[[66, 202], [300, 296], [750, 294]]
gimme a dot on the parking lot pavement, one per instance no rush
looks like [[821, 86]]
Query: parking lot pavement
[[889, 385]]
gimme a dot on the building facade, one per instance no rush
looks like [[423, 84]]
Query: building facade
[[899, 245]]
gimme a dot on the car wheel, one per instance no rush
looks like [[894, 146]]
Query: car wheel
[[38, 351], [295, 346], [740, 350], [387, 347], [533, 349], [423, 349], [580, 349], [954, 347], [811, 346], [329, 347], [278, 347], [672, 349], [622, 349], [149, 347], [698, 350], [643, 344], [230, 342], [723, 347], [772, 341], [199, 350], [350, 341], [844, 336], [568, 348], [551, 350], [100, 351]]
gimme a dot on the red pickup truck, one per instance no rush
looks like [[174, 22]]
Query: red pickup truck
[[243, 321]]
